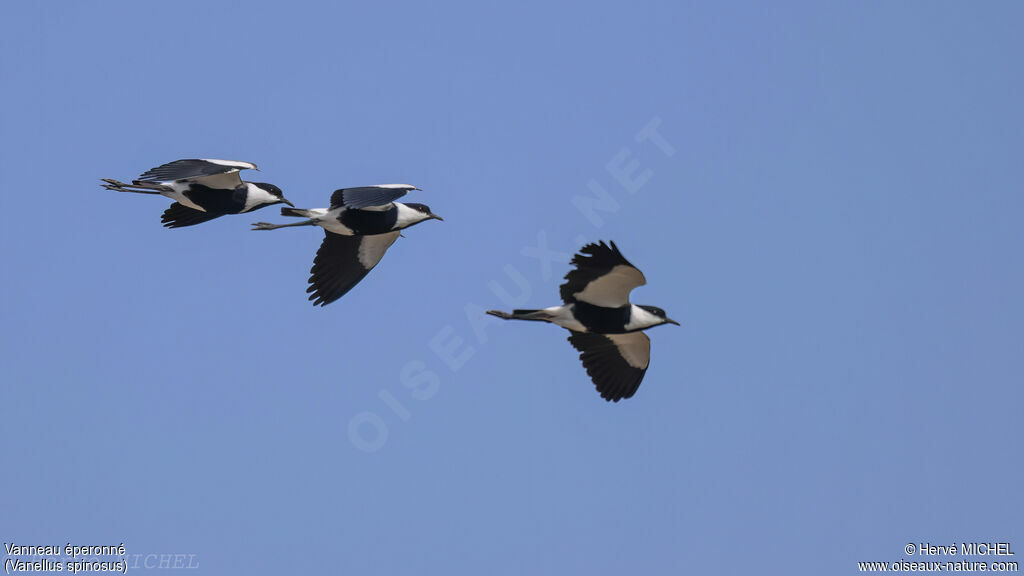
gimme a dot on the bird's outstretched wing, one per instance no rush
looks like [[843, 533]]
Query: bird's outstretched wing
[[602, 277], [368, 196], [615, 362], [342, 261], [209, 172], [179, 216]]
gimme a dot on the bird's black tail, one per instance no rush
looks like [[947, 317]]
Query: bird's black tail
[[521, 314], [298, 212]]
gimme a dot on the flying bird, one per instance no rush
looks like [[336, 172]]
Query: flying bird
[[604, 327], [203, 189], [359, 227]]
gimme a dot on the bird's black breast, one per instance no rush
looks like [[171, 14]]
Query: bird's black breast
[[601, 320], [217, 200], [368, 222]]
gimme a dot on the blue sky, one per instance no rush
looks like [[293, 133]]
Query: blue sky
[[831, 208]]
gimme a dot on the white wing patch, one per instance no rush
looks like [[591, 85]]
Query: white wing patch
[[226, 181], [635, 348], [372, 248], [612, 290], [232, 163]]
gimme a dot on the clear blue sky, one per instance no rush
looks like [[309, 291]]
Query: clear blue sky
[[832, 210]]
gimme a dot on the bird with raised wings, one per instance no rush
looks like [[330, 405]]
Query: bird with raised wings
[[359, 227], [203, 189], [604, 327]]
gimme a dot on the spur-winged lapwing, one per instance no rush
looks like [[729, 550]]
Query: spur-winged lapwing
[[605, 328], [359, 227], [203, 189]]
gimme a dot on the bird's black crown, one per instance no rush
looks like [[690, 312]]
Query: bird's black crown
[[271, 189], [419, 207], [656, 311]]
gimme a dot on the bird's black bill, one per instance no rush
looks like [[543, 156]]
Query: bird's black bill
[[287, 202], [436, 217], [671, 321]]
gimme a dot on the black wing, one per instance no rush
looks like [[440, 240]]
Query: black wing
[[615, 362], [342, 261], [193, 168], [367, 196], [602, 277], [178, 216]]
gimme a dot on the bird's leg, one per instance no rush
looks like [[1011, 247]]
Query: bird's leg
[[269, 226], [118, 186], [532, 315]]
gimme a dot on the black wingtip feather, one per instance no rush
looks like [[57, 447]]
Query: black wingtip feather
[[337, 268], [599, 254], [613, 378], [179, 216], [591, 261]]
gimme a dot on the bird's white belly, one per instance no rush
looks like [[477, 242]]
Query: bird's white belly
[[329, 222], [177, 193], [562, 316]]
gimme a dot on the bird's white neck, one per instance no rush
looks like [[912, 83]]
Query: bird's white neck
[[256, 196], [407, 216], [640, 319]]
